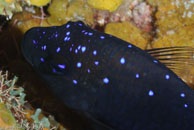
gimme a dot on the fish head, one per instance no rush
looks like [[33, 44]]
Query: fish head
[[45, 47], [33, 46]]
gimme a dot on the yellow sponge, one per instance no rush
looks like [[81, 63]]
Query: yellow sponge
[[129, 33], [7, 121], [110, 5], [39, 2]]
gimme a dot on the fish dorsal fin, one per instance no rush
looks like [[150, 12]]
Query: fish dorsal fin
[[180, 59]]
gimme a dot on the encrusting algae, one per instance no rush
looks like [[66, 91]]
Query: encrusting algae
[[129, 33], [25, 20], [62, 11], [110, 5], [15, 113], [39, 2], [7, 121]]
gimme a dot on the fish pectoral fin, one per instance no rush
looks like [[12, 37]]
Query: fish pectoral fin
[[95, 123], [178, 59]]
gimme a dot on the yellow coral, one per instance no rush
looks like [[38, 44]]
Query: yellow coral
[[173, 15], [78, 10], [9, 1], [7, 120], [39, 2], [61, 11], [26, 20], [57, 11], [183, 36], [110, 5], [8, 7], [129, 33]]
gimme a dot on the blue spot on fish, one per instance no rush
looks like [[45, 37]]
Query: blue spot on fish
[[182, 95], [75, 81], [68, 25], [95, 52], [83, 49], [102, 37], [167, 76], [90, 33], [42, 59], [137, 76], [129, 46], [58, 49], [96, 62], [122, 60], [61, 66], [151, 93], [106, 80], [68, 33], [79, 64]]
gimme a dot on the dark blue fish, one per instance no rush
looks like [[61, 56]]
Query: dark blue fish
[[114, 83]]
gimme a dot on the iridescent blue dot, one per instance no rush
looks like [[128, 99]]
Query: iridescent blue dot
[[75, 81], [79, 64], [80, 24], [44, 47], [102, 37], [122, 60], [90, 33], [167, 76], [56, 35], [43, 32], [106, 80], [65, 39], [129, 46], [155, 61], [83, 31], [34, 41], [70, 49], [83, 49], [68, 38], [68, 33], [94, 52], [182, 95], [42, 59], [96, 62], [61, 66], [79, 47], [86, 33], [76, 51], [137, 76], [151, 93], [67, 26], [58, 49], [185, 105], [88, 70]]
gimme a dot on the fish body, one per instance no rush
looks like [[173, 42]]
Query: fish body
[[119, 85]]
